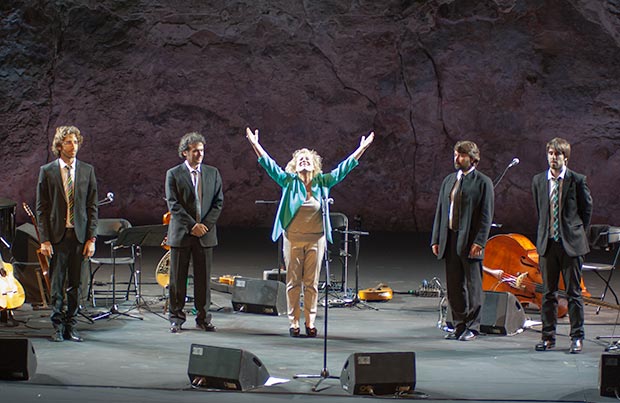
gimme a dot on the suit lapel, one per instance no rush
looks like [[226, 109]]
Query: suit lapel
[[568, 180], [57, 177]]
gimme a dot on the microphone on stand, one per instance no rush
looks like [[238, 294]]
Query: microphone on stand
[[515, 161], [110, 196]]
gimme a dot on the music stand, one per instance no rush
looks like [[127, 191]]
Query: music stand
[[137, 237], [356, 300], [132, 237]]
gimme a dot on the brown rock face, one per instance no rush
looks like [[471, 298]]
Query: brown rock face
[[135, 76]]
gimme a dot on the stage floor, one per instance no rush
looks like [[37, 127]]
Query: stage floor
[[127, 360]]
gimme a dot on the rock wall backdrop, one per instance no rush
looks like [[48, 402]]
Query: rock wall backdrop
[[135, 76]]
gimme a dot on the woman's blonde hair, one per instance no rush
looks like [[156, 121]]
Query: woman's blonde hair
[[316, 160]]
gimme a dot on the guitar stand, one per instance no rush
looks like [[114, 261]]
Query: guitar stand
[[324, 374]]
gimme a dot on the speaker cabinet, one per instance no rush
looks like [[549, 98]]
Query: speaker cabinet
[[378, 373], [609, 375], [502, 314], [225, 368], [18, 361], [259, 296]]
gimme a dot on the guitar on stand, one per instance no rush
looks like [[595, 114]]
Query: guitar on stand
[[42, 272], [12, 294]]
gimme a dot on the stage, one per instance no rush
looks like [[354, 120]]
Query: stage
[[128, 359]]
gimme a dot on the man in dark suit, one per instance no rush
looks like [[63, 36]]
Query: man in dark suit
[[564, 207], [195, 199], [460, 231], [67, 220]]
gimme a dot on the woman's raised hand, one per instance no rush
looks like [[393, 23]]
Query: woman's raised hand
[[252, 137], [366, 141]]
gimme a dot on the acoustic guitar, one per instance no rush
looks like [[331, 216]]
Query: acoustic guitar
[[12, 293], [379, 293]]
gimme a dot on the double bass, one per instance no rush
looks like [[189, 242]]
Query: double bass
[[510, 264]]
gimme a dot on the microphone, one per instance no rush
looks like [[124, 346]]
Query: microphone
[[110, 196], [515, 161]]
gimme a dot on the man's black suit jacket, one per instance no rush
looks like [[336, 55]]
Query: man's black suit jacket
[[476, 213], [182, 204], [52, 203], [575, 212]]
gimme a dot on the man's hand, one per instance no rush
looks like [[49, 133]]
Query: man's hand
[[199, 230], [89, 248], [475, 251], [435, 249], [47, 249]]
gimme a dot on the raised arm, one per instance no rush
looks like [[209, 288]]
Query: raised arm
[[253, 139], [364, 144]]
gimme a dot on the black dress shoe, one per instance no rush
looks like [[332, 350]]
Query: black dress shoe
[[73, 335], [58, 335], [576, 345], [174, 328], [545, 345], [293, 331], [311, 331], [468, 335], [207, 327]]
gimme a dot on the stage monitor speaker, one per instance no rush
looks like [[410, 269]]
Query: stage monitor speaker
[[225, 368], [379, 373], [18, 361], [502, 314], [259, 296], [609, 375]]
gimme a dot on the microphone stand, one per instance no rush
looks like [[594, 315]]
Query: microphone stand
[[324, 372], [499, 179]]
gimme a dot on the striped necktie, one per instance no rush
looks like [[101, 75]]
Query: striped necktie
[[555, 209], [70, 195], [198, 190]]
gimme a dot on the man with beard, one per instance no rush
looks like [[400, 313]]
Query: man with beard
[[460, 231], [67, 221], [195, 199], [564, 207]]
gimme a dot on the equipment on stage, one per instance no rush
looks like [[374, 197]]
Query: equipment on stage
[[110, 229], [12, 293], [515, 259], [44, 263], [382, 292], [379, 373], [19, 361], [7, 219], [162, 270], [502, 314], [133, 238], [259, 296], [609, 375], [225, 368], [26, 265]]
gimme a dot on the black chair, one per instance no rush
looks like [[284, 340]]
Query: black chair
[[604, 238], [109, 229]]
